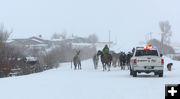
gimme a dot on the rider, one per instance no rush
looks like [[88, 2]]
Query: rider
[[105, 49]]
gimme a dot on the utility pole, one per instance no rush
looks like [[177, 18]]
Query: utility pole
[[150, 34]]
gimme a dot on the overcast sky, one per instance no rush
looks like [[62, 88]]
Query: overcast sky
[[128, 20]]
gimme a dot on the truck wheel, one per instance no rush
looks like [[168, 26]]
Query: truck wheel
[[161, 75], [155, 73], [134, 73]]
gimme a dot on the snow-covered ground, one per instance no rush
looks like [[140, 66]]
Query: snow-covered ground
[[66, 83]]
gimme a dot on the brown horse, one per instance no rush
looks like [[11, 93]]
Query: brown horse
[[105, 59], [115, 59]]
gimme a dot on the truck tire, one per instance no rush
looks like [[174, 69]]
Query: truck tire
[[161, 74], [134, 73], [155, 73]]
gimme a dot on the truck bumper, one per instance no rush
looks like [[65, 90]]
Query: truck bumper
[[147, 68]]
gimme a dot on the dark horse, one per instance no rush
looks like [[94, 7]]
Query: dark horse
[[77, 60], [105, 59]]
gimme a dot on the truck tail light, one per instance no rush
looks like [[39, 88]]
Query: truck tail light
[[162, 61], [135, 61]]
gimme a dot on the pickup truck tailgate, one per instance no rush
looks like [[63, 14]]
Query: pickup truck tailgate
[[148, 61]]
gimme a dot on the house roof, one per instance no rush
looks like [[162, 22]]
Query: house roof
[[28, 41], [40, 40]]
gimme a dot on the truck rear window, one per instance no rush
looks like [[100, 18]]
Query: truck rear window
[[146, 53]]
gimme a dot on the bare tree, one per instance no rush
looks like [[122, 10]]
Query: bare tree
[[59, 36], [93, 38], [56, 36], [6, 52], [4, 34], [166, 32]]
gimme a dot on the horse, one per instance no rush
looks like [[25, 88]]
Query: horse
[[95, 61], [122, 59], [105, 59], [115, 59], [128, 57], [77, 61]]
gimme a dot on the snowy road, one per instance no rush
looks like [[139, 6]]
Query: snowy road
[[66, 83]]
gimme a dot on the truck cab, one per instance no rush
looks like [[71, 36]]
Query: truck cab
[[146, 59]]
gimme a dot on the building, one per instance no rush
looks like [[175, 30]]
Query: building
[[32, 42]]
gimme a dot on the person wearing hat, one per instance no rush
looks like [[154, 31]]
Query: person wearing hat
[[105, 49]]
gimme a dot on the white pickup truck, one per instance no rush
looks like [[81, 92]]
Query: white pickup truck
[[146, 59]]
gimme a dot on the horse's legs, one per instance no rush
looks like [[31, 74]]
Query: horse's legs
[[96, 64], [108, 66], [74, 66], [121, 65], [105, 66], [118, 63], [79, 65], [124, 65], [127, 64], [115, 63]]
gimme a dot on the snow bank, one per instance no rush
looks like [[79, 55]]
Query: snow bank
[[66, 83]]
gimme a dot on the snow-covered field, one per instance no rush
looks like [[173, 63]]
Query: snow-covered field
[[66, 83]]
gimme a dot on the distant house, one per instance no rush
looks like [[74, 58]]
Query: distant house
[[56, 42], [32, 42], [42, 44], [76, 39], [81, 45]]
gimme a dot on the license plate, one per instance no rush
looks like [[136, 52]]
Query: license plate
[[142, 60], [149, 67]]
